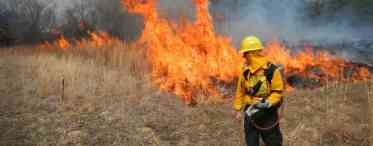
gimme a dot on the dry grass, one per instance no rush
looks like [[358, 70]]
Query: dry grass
[[337, 115], [370, 98], [108, 103]]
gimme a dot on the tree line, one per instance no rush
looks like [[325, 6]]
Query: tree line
[[33, 21]]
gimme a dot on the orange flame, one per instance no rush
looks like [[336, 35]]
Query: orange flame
[[95, 40], [189, 56], [300, 63], [330, 67], [361, 74], [63, 43], [102, 38]]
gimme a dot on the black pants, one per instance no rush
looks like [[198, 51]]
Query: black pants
[[271, 137]]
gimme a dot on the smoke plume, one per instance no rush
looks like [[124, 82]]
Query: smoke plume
[[287, 20]]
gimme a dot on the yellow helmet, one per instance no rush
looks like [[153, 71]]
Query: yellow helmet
[[251, 43]]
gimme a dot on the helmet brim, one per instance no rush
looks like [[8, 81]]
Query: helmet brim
[[242, 51]]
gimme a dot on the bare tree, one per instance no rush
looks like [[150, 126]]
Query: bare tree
[[79, 19], [114, 19], [97, 15], [28, 20]]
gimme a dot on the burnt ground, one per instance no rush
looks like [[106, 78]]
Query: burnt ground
[[131, 112]]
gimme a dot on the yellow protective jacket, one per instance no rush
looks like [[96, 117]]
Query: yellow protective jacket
[[256, 73]]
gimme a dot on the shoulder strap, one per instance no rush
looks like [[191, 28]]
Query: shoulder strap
[[270, 71], [246, 73]]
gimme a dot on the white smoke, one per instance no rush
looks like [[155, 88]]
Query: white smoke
[[173, 9], [285, 20]]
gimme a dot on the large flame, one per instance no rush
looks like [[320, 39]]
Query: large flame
[[301, 62], [317, 65], [185, 58], [188, 58]]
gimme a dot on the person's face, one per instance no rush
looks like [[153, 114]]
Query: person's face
[[248, 56]]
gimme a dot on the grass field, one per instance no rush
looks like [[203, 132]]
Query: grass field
[[54, 99]]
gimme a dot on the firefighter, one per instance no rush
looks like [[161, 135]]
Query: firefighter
[[258, 95]]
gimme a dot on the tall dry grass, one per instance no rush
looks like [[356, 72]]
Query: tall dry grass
[[370, 99], [87, 69], [111, 71], [109, 100], [333, 115]]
